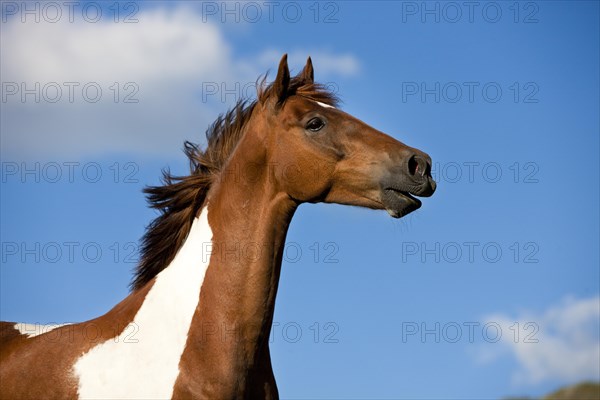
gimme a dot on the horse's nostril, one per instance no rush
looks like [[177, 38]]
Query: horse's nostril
[[413, 165], [418, 165]]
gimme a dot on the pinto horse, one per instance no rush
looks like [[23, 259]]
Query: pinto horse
[[202, 317]]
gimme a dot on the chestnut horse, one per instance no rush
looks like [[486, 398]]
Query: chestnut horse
[[197, 321]]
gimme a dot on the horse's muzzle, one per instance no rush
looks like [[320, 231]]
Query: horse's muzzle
[[402, 182]]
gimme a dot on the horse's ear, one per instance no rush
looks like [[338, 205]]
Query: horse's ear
[[308, 73], [282, 82]]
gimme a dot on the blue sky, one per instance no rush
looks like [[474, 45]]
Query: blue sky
[[507, 249]]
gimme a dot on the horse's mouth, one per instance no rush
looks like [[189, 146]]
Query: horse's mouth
[[399, 203]]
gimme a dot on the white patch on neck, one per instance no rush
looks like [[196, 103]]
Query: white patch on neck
[[324, 105], [32, 330], [145, 365]]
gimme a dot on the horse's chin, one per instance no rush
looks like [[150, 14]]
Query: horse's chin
[[399, 203]]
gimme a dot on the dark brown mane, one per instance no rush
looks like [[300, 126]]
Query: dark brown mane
[[180, 197]]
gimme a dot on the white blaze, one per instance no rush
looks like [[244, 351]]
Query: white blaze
[[145, 365], [324, 105]]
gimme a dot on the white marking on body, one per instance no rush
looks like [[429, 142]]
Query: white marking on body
[[148, 368], [324, 105], [32, 330]]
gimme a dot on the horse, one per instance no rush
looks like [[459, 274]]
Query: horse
[[197, 321]]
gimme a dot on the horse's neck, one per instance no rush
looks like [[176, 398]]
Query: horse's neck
[[209, 313], [238, 294], [249, 223]]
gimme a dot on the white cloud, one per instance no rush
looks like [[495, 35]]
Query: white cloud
[[170, 56], [164, 43], [560, 345], [167, 56]]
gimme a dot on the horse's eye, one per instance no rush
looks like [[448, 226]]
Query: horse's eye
[[315, 124]]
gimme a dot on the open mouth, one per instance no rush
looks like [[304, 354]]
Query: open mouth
[[399, 203]]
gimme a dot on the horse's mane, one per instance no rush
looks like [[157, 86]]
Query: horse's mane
[[179, 198]]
